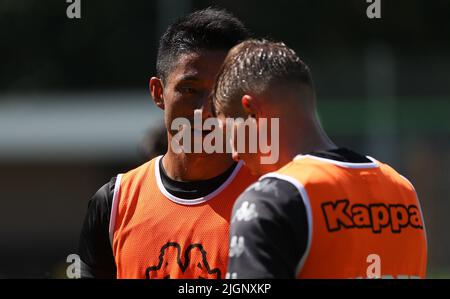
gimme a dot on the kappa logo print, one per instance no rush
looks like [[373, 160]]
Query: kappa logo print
[[266, 186], [340, 215], [246, 212], [195, 263], [237, 246]]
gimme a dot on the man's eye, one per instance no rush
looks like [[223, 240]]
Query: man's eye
[[188, 90]]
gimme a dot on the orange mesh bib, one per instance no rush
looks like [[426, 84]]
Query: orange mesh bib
[[358, 210], [157, 235]]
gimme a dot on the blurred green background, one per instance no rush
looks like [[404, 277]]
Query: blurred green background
[[75, 109]]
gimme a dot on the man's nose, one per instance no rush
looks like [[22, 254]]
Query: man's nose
[[205, 105]]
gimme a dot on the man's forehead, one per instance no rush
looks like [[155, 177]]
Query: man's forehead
[[197, 66]]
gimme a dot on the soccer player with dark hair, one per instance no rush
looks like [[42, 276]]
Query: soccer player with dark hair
[[168, 217], [320, 211]]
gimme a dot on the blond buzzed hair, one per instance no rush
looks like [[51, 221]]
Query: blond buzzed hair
[[255, 65]]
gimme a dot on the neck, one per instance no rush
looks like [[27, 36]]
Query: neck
[[195, 167], [301, 139]]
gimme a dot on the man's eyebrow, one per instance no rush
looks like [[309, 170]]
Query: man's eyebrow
[[189, 77]]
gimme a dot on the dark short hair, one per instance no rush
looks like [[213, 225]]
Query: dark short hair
[[207, 29], [253, 66]]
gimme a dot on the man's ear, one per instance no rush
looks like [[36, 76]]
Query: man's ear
[[156, 90], [250, 106]]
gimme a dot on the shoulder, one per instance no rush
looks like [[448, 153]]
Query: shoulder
[[143, 167], [270, 193], [303, 168], [141, 172], [395, 177], [102, 199], [272, 186]]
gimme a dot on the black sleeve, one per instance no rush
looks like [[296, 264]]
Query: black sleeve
[[95, 251], [269, 231]]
